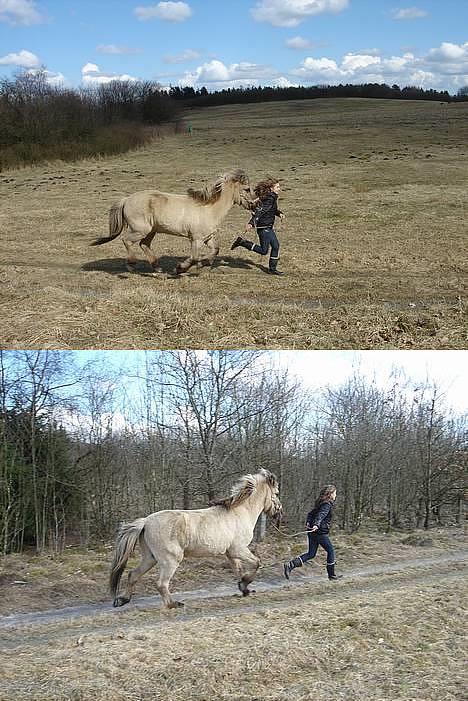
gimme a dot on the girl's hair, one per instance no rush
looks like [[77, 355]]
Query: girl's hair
[[262, 189], [325, 494]]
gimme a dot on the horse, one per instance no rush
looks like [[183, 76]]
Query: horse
[[195, 215], [224, 528]]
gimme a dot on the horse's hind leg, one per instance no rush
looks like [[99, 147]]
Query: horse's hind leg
[[168, 563], [146, 563], [138, 232], [131, 257], [145, 245]]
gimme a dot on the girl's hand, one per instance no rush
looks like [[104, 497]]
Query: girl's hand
[[314, 528]]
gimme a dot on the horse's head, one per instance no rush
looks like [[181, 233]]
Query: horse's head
[[272, 506], [243, 194]]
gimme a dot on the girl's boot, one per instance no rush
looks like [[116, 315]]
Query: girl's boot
[[272, 268], [289, 566], [331, 572], [242, 242]]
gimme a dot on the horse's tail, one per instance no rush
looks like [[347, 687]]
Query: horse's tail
[[127, 538], [116, 223]]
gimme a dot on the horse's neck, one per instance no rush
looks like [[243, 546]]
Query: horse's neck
[[254, 507], [223, 205]]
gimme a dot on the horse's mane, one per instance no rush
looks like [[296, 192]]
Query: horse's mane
[[211, 193], [244, 488]]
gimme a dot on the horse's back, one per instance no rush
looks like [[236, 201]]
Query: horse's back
[[198, 532], [144, 201], [162, 211]]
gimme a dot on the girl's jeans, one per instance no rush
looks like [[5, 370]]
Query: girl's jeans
[[268, 238], [314, 541]]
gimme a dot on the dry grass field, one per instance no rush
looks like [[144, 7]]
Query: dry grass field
[[381, 633], [373, 244]]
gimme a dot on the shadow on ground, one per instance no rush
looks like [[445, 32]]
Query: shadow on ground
[[117, 266]]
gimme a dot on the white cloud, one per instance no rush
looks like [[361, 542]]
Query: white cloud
[[19, 12], [298, 43], [449, 53], [283, 82], [54, 79], [444, 68], [423, 79], [319, 69], [449, 61], [167, 11], [117, 50], [290, 13], [216, 75], [183, 57], [429, 71], [91, 75], [354, 62], [409, 13], [23, 59], [90, 68]]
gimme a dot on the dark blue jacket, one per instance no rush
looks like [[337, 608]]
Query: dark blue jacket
[[265, 212], [321, 516]]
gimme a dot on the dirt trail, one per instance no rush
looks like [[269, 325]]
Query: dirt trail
[[26, 622]]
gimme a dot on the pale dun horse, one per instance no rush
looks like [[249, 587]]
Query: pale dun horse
[[224, 528], [195, 216]]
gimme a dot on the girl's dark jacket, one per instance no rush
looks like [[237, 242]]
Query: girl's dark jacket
[[320, 516], [265, 212]]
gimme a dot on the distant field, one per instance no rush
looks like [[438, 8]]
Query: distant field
[[374, 243]]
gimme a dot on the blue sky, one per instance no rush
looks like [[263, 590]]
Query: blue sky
[[446, 370], [224, 43]]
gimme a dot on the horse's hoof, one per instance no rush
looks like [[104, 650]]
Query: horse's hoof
[[243, 588], [120, 601], [175, 605]]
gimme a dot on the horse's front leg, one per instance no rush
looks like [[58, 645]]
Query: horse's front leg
[[200, 251], [245, 564], [212, 247], [188, 262]]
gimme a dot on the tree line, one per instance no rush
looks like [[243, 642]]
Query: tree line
[[40, 121], [83, 447], [202, 98]]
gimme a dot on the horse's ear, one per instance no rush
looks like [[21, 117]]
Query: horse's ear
[[270, 478]]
